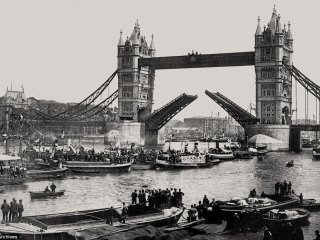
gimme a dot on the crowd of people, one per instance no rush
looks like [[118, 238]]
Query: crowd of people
[[283, 188], [158, 198], [12, 212]]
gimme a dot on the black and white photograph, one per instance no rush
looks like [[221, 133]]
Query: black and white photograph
[[159, 120]]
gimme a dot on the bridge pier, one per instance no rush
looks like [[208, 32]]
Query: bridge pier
[[152, 140], [295, 139]]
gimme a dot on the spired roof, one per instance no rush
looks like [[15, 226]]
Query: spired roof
[[9, 158], [263, 139], [272, 23]]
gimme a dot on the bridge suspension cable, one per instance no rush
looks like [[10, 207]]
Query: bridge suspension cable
[[84, 104], [97, 108]]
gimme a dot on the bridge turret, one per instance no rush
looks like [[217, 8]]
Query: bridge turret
[[273, 81]]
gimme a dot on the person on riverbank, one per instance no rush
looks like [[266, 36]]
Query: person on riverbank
[[289, 187], [301, 198], [5, 211], [276, 187], [47, 189], [124, 213], [200, 210], [53, 187], [179, 196], [20, 210], [134, 196], [205, 201], [13, 210]]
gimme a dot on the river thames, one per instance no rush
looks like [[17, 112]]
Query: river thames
[[222, 182]]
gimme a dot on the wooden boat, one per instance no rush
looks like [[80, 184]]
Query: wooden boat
[[10, 164], [182, 161], [47, 173], [310, 205], [295, 216], [43, 194], [58, 226], [261, 204], [96, 167], [290, 164]]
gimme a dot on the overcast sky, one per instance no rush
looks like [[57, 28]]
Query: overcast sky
[[65, 49]]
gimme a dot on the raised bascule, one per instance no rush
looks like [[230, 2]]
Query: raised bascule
[[137, 65]]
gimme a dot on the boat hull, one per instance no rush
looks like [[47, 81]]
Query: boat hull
[[45, 194], [165, 165], [91, 167], [58, 228], [297, 221], [14, 181], [46, 174], [222, 157]]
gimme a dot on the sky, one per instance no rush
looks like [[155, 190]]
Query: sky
[[65, 49]]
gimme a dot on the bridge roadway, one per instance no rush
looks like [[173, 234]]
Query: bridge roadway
[[199, 60]]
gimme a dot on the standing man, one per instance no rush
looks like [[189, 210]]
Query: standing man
[[20, 210], [301, 198], [53, 187], [5, 210], [124, 213], [13, 210], [134, 196], [180, 195]]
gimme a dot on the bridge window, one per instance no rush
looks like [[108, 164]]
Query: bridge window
[[127, 92], [127, 79], [127, 106]]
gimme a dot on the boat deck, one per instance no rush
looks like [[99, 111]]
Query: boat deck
[[26, 228]]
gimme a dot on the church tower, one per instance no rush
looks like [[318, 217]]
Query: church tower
[[135, 84], [273, 46]]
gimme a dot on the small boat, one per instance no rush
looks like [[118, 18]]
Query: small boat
[[260, 158], [43, 194], [47, 173], [295, 216], [182, 161], [290, 164], [310, 205], [60, 225], [96, 167]]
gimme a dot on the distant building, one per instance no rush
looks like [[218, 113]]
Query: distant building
[[16, 99], [214, 126]]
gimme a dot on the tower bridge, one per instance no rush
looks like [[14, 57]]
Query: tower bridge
[[137, 65]]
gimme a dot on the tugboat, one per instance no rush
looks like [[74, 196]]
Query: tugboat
[[183, 161]]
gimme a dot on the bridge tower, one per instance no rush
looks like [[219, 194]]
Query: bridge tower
[[135, 84], [273, 81], [273, 46]]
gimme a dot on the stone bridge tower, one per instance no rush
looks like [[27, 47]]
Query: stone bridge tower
[[135, 84], [273, 45]]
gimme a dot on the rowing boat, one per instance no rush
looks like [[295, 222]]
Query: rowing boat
[[43, 194]]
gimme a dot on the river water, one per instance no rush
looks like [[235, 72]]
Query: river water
[[223, 181]]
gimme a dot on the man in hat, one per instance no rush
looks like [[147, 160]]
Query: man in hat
[[5, 210], [20, 210]]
